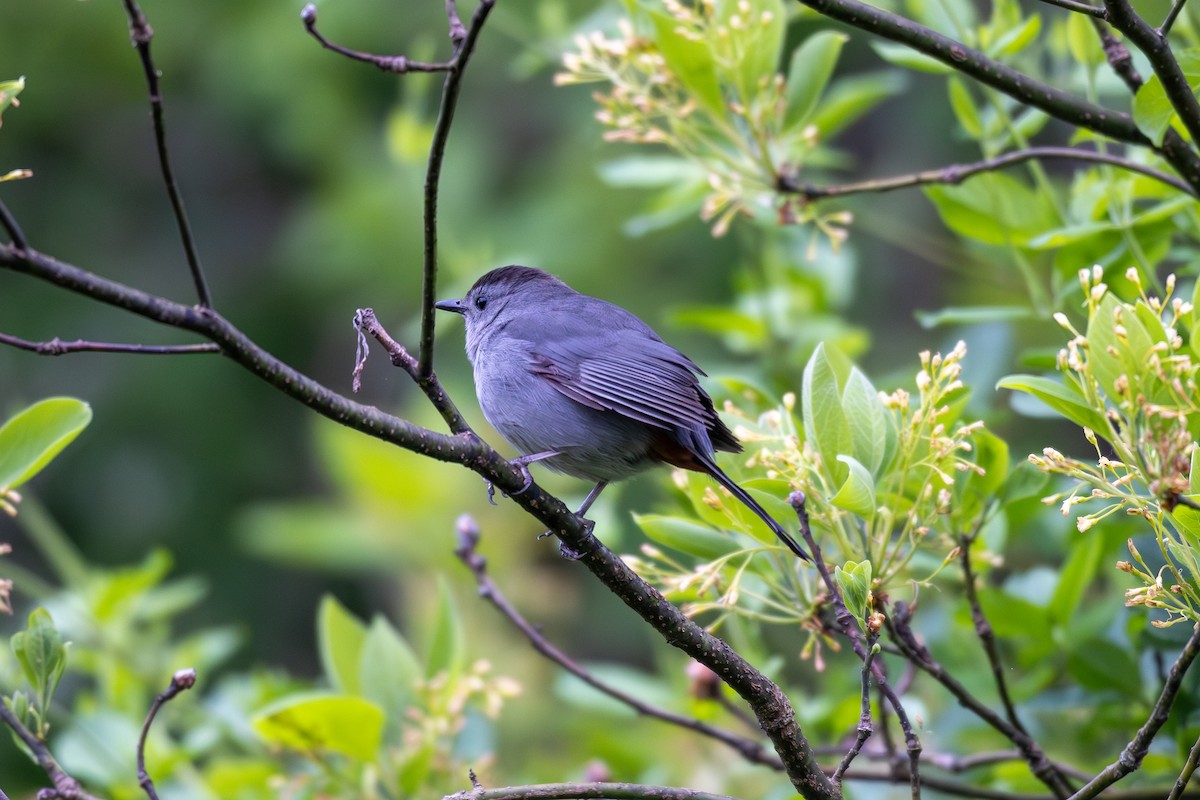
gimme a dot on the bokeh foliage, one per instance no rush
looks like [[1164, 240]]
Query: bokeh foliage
[[237, 511]]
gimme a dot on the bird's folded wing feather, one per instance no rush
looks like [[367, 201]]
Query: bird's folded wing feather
[[642, 378]]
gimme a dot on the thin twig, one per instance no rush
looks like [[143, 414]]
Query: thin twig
[[983, 629], [65, 787], [1185, 774], [433, 175], [850, 631], [15, 234], [1078, 6], [457, 32], [57, 347], [365, 322], [1157, 50], [1165, 28], [585, 791], [1118, 57], [394, 64], [978, 65], [141, 33], [1133, 754], [957, 173], [1041, 766], [468, 536], [181, 681], [865, 727]]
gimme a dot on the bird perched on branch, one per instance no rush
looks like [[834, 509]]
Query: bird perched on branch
[[588, 389]]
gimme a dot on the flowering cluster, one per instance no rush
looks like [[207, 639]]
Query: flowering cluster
[[887, 478], [702, 81], [1133, 378]]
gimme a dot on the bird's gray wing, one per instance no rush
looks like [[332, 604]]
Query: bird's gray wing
[[630, 373]]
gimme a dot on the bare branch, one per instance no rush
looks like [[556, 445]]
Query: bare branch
[[851, 631], [1172, 15], [468, 541], [1056, 102], [57, 347], [1039, 764], [141, 33], [983, 629], [1133, 754], [865, 727], [65, 787], [181, 681], [457, 32], [394, 64], [968, 61], [433, 175], [1185, 774], [366, 322], [957, 173], [1157, 49], [15, 234], [585, 791], [1078, 6]]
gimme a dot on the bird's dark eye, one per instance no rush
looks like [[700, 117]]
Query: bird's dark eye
[[481, 302]]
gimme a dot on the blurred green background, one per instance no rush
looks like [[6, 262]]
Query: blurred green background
[[303, 176]]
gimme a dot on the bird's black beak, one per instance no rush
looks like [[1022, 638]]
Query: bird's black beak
[[451, 305]]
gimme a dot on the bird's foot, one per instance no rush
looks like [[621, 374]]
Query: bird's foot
[[565, 550]]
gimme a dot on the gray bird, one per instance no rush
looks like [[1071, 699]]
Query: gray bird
[[588, 389]]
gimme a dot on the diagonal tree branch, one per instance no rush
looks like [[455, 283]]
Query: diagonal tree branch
[[774, 713], [1135, 752], [57, 347], [974, 63], [468, 541], [1154, 45], [65, 787], [957, 173], [141, 33], [9, 222]]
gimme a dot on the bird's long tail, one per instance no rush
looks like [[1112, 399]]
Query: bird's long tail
[[752, 504]]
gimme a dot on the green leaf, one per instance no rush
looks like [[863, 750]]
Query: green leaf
[[854, 580], [1065, 400], [811, 67], [685, 536], [42, 654], [388, 670], [904, 56], [691, 61], [1099, 665], [1152, 110], [991, 455], [1082, 41], [1016, 38], [857, 493], [850, 98], [315, 723], [642, 172], [971, 315], [340, 640], [825, 425], [8, 93], [867, 420], [993, 208], [964, 107], [36, 435], [758, 37], [1076, 576], [447, 650]]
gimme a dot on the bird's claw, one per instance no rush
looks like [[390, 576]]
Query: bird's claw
[[528, 480], [491, 490]]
